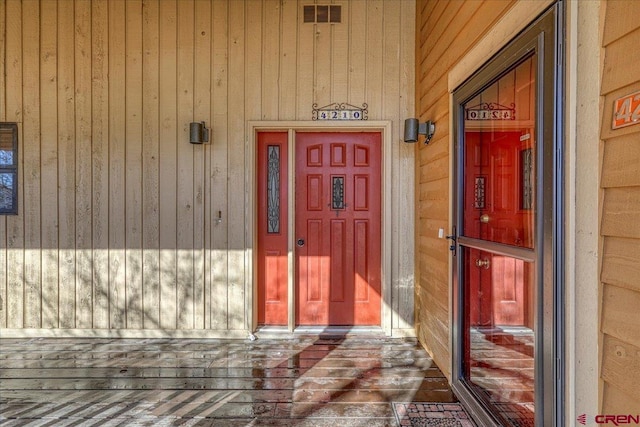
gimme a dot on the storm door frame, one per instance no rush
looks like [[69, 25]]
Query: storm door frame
[[543, 37]]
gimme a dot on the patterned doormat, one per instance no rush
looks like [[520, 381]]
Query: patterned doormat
[[420, 414]]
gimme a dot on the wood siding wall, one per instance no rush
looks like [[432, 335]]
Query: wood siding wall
[[116, 209], [620, 229], [445, 31]]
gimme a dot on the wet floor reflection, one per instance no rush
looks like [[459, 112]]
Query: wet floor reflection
[[321, 380], [502, 371]]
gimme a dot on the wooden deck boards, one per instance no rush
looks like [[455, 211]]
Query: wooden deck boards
[[312, 381]]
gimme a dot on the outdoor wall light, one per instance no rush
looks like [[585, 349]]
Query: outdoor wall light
[[413, 128], [198, 133]]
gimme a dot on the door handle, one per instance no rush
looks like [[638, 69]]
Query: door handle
[[484, 219], [300, 242], [483, 263]]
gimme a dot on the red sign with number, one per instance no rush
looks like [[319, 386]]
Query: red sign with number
[[626, 111]]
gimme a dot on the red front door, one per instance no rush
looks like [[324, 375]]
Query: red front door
[[338, 228]]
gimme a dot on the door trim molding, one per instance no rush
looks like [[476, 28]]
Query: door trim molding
[[251, 227]]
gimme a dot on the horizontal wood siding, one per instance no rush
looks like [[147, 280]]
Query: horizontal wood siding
[[446, 31], [117, 224], [620, 181]]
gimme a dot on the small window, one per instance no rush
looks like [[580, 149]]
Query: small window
[[309, 14], [8, 168], [335, 14], [322, 14]]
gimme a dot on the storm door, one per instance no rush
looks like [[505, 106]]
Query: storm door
[[506, 261]]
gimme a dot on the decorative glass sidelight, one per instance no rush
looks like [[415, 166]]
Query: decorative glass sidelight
[[273, 189], [337, 198]]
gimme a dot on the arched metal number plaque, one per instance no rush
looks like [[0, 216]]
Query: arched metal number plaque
[[340, 111]]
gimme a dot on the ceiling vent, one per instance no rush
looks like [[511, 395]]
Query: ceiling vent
[[319, 14]]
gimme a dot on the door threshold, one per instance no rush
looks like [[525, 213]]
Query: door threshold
[[341, 331]]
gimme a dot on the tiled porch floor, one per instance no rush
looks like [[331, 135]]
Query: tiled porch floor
[[305, 381]]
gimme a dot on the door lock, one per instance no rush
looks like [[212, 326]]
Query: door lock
[[483, 263], [300, 243]]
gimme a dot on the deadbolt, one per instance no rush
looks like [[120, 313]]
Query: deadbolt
[[300, 243]]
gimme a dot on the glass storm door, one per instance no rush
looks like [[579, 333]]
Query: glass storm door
[[504, 277]]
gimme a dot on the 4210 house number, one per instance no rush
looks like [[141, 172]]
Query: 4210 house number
[[340, 115], [339, 111]]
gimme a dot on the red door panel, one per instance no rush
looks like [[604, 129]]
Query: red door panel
[[338, 228], [273, 267]]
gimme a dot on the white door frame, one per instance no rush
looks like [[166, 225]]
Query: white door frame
[[251, 230]]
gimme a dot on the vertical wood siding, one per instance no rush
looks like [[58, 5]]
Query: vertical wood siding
[[116, 226], [446, 31], [620, 231]]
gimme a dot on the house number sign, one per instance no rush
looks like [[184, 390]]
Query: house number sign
[[626, 111], [340, 111]]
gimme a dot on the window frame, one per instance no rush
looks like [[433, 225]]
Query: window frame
[[11, 169]]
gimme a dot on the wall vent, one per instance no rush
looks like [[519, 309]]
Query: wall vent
[[319, 13]]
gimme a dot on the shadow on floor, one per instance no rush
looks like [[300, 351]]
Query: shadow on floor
[[324, 380]]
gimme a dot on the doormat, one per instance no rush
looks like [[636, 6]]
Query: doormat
[[421, 414]]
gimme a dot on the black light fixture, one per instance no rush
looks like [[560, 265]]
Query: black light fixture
[[413, 128], [198, 133]]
